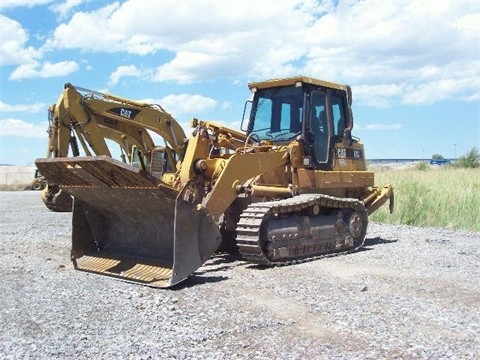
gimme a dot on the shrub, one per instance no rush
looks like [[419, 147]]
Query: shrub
[[469, 160], [422, 166]]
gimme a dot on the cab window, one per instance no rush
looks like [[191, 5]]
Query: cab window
[[338, 115], [319, 126], [277, 113]]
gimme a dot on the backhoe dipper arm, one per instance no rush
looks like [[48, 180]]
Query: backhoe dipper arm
[[58, 136], [128, 133], [88, 114], [70, 114], [116, 110], [128, 140]]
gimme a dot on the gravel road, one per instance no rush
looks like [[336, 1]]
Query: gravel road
[[409, 293]]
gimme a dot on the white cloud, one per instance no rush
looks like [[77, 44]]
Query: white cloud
[[184, 103], [31, 108], [375, 127], [399, 50], [64, 8], [83, 32], [226, 105], [23, 3], [15, 127], [383, 48], [223, 44], [433, 91], [45, 70], [123, 71], [14, 50], [455, 81], [379, 96]]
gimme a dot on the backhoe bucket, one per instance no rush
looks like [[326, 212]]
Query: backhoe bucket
[[130, 225]]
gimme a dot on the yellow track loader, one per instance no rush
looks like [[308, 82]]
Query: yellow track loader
[[291, 186]]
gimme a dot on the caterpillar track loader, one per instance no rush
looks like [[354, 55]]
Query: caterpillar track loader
[[291, 186], [91, 118]]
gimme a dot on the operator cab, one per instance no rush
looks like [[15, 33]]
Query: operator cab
[[158, 162], [314, 112]]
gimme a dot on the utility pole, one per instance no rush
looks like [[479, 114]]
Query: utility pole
[[455, 145]]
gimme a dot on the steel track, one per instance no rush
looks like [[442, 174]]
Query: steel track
[[252, 246]]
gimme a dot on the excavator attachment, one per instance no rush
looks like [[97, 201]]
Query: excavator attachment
[[56, 200], [129, 224]]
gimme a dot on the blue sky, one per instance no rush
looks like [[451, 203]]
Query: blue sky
[[414, 66]]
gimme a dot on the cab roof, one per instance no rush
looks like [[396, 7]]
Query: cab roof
[[293, 80]]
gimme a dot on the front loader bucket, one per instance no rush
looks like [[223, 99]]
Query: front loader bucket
[[130, 225]]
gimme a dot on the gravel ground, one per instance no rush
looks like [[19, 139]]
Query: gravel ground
[[410, 293]]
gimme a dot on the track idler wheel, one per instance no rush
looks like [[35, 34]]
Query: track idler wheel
[[355, 228], [355, 225]]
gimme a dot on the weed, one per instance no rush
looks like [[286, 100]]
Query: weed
[[446, 197]]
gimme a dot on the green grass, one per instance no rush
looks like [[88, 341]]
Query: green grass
[[447, 197]]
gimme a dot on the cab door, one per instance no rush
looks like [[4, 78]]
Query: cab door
[[319, 128]]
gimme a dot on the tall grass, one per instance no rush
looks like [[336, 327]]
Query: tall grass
[[446, 197]]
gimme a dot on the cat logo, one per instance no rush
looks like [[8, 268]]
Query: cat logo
[[126, 113], [342, 153]]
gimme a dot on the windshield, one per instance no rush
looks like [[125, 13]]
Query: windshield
[[277, 113]]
